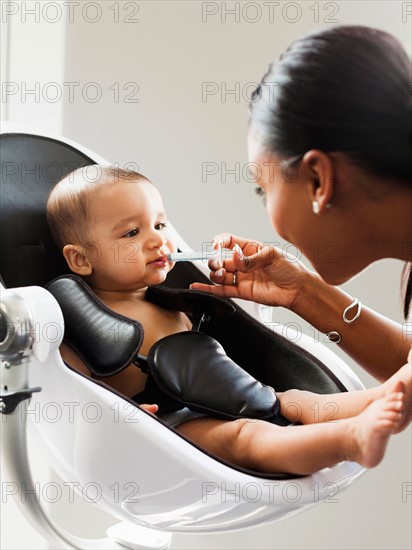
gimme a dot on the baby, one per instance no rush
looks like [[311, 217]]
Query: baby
[[113, 232]]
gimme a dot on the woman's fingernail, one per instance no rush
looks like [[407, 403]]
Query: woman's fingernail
[[216, 264], [219, 273]]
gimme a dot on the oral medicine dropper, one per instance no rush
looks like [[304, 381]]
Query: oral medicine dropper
[[220, 254]]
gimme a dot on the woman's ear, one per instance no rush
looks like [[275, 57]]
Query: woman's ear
[[77, 260], [320, 178]]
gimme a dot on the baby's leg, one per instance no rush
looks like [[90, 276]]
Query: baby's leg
[[262, 446], [309, 408]]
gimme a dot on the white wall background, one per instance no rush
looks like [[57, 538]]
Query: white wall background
[[132, 76]]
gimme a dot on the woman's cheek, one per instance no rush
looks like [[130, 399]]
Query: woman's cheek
[[277, 216]]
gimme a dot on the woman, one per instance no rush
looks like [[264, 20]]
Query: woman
[[330, 137]]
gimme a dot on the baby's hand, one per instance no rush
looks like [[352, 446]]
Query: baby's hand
[[150, 408]]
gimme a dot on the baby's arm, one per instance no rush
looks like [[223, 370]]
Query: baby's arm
[[129, 382], [150, 408]]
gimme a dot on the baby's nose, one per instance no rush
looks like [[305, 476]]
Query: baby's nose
[[157, 239]]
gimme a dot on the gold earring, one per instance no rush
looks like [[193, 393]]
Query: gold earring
[[315, 207]]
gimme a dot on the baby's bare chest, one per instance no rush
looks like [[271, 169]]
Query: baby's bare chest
[[158, 323]]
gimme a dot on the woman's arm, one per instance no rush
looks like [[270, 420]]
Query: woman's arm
[[376, 343]]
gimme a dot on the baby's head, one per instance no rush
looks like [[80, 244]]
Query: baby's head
[[111, 228]]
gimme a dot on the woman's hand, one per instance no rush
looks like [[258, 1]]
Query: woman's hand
[[262, 273]]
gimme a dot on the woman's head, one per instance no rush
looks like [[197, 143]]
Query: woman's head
[[334, 117], [343, 89]]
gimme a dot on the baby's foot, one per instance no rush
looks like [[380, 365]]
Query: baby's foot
[[404, 375], [373, 427]]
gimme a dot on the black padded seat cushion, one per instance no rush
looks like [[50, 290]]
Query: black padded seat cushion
[[269, 357], [193, 368], [104, 340], [194, 303]]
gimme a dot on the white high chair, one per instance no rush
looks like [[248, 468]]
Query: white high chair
[[147, 475]]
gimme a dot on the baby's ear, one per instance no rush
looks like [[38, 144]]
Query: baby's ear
[[77, 260]]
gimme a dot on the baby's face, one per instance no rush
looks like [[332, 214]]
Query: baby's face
[[128, 237]]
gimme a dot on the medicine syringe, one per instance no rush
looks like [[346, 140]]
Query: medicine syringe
[[220, 254]]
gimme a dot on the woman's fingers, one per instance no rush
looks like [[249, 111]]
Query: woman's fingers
[[225, 277], [232, 275], [262, 256], [258, 272], [247, 246]]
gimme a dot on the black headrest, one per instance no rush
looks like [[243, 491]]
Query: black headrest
[[30, 166]]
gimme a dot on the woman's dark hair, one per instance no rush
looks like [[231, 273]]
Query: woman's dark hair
[[346, 89], [407, 283]]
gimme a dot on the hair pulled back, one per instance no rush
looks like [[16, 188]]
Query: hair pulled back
[[346, 89]]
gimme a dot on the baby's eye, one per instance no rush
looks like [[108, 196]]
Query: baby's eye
[[259, 191], [160, 226], [132, 233]]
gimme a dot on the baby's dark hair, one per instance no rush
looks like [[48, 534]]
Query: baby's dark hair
[[68, 205], [343, 89]]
